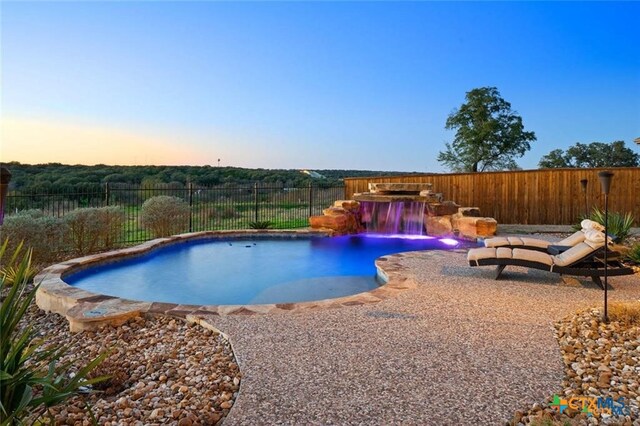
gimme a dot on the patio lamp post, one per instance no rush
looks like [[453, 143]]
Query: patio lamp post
[[583, 183], [605, 183]]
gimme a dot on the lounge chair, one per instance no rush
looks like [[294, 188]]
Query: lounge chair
[[543, 245], [583, 259]]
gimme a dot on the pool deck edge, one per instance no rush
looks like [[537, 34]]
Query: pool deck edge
[[87, 311]]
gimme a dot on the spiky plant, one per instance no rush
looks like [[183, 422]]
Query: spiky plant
[[260, 224], [32, 378]]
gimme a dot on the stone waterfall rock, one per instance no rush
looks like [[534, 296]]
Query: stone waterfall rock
[[349, 205], [439, 226], [446, 208], [469, 211], [471, 227], [343, 218]]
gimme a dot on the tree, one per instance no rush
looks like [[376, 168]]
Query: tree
[[595, 154], [489, 135]]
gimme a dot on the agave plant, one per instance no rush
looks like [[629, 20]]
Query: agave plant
[[634, 254], [260, 224], [619, 227], [32, 379], [9, 273]]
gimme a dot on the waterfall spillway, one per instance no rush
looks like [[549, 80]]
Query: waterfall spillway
[[395, 217]]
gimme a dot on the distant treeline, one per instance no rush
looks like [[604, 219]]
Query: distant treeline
[[56, 176]]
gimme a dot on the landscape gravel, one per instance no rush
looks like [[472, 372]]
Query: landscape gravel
[[460, 349], [164, 370], [602, 360]]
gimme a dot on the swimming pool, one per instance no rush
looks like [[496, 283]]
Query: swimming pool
[[243, 270]]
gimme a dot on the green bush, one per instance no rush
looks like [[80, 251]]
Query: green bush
[[92, 228], [619, 224], [44, 234], [261, 224], [32, 379], [164, 215], [634, 254]]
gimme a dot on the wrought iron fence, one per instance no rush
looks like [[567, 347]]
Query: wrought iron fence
[[211, 208]]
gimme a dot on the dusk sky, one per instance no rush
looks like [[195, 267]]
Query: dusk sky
[[323, 85]]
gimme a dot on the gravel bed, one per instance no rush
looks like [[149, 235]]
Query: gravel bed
[[164, 370], [601, 360], [460, 349]]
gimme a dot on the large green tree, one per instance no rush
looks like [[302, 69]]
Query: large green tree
[[595, 154], [489, 135]]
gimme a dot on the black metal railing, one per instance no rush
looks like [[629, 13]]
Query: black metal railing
[[211, 208]]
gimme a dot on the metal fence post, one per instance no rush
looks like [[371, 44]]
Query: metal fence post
[[310, 199], [107, 194], [255, 199], [190, 207]]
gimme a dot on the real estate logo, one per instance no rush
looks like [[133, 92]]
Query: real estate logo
[[591, 405]]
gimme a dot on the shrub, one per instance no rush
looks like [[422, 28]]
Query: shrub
[[627, 313], [91, 229], [261, 224], [44, 234], [31, 377], [619, 224], [164, 215], [634, 254]]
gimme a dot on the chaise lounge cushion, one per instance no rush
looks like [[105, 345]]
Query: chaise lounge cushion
[[575, 253], [504, 253], [515, 241], [532, 256], [534, 242], [481, 253], [573, 239]]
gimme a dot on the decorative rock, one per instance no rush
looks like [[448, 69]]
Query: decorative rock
[[601, 364], [438, 226], [349, 205], [469, 211], [185, 422], [340, 220], [446, 208], [473, 227], [486, 227], [330, 222], [195, 358]]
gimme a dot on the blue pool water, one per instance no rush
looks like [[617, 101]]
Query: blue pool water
[[250, 271]]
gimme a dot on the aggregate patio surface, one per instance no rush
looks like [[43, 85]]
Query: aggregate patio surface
[[459, 349]]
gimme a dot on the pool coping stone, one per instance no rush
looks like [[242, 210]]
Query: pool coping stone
[[85, 310]]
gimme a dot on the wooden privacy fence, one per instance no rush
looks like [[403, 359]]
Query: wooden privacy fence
[[549, 197]]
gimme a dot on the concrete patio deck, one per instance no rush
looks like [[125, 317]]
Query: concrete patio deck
[[460, 348]]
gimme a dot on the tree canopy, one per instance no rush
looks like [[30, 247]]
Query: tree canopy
[[595, 154], [489, 135], [56, 176]]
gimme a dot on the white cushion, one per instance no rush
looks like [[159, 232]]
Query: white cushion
[[532, 256], [496, 242], [574, 254], [588, 225], [481, 253], [573, 239], [535, 242], [504, 253], [515, 241]]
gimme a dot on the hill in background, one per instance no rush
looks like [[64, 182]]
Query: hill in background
[[56, 176]]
